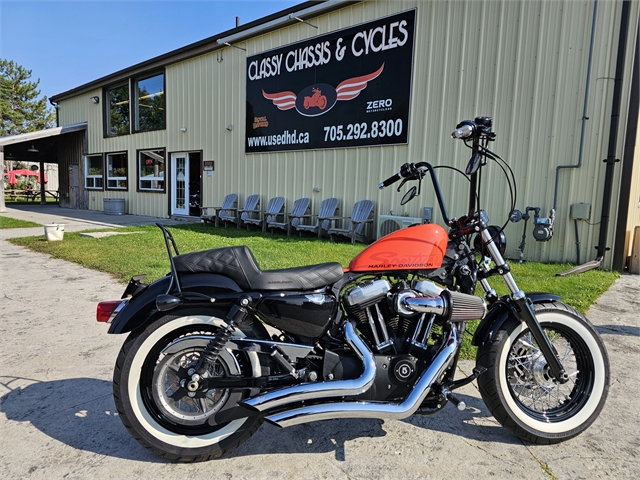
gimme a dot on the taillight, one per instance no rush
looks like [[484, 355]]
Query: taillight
[[107, 311]]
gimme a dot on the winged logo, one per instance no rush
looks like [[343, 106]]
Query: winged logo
[[320, 98]]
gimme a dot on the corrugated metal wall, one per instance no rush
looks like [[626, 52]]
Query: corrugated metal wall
[[81, 109], [524, 63]]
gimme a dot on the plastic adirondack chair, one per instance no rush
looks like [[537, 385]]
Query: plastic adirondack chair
[[251, 210], [328, 208], [361, 215], [275, 208], [301, 209], [227, 212]]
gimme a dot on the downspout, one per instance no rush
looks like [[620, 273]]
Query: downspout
[[620, 257], [613, 132], [55, 105], [611, 151], [584, 109]]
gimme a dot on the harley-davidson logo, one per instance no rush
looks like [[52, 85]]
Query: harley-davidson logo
[[319, 98], [391, 260]]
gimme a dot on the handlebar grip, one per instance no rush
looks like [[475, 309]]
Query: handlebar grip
[[463, 131], [389, 181]]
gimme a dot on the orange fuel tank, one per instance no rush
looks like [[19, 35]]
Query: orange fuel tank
[[420, 247]]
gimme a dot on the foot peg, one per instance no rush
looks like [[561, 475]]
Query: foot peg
[[460, 405]]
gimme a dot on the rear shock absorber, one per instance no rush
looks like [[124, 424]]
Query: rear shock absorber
[[236, 316]]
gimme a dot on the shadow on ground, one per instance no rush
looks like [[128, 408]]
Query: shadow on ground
[[80, 413]]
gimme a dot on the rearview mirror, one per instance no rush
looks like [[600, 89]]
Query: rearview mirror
[[407, 197]]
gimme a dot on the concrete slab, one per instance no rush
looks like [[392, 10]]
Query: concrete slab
[[76, 220], [58, 420], [105, 234]]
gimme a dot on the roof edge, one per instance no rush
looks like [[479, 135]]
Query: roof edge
[[47, 132]]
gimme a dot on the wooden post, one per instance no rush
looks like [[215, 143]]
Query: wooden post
[[43, 199], [3, 208]]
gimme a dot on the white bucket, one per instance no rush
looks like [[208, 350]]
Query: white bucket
[[54, 231]]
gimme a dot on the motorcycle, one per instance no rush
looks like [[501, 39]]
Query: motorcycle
[[218, 345]]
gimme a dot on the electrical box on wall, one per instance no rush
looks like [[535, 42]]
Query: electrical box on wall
[[580, 211], [426, 214]]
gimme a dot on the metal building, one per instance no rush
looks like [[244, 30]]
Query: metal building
[[326, 99]]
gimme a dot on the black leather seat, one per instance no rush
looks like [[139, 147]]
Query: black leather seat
[[239, 264]]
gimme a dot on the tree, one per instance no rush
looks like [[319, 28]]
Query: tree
[[20, 109]]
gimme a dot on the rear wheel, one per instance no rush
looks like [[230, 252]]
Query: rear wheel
[[521, 393], [149, 386]]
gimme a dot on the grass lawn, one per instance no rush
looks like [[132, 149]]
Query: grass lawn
[[22, 201], [144, 253], [8, 222]]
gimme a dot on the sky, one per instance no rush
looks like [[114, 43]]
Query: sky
[[69, 43]]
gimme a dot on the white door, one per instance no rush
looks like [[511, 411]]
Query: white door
[[180, 184]]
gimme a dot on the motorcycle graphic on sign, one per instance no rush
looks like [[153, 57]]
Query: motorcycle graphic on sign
[[311, 101]]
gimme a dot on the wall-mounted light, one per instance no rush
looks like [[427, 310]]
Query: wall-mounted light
[[316, 189], [183, 129], [95, 99], [33, 149], [230, 127]]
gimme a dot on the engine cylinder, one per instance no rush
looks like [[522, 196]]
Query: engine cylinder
[[365, 295]]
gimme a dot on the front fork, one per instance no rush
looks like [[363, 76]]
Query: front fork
[[523, 309]]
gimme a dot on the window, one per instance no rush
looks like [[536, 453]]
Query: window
[[150, 103], [146, 94], [117, 171], [151, 170], [93, 172], [118, 117]]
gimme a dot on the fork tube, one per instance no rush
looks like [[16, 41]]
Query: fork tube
[[525, 312], [495, 254]]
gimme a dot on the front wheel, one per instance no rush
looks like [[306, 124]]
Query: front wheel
[[521, 393], [149, 381]]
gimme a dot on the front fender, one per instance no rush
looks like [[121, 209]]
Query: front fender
[[141, 308], [499, 312]]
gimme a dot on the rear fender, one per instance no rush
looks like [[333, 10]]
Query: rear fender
[[141, 309], [499, 312]]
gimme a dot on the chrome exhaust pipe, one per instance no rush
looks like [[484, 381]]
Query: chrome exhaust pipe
[[321, 390], [384, 411]]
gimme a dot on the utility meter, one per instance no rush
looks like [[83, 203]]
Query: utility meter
[[543, 228]]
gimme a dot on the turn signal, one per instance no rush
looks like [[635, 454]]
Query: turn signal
[[106, 310]]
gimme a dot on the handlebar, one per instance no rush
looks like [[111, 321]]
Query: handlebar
[[406, 171], [478, 130], [389, 181], [417, 171]]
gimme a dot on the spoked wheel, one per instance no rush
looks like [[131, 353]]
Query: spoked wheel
[[519, 389], [164, 408], [171, 379]]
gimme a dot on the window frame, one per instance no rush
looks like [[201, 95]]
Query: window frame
[[136, 110], [119, 178], [107, 109], [139, 171], [87, 176]]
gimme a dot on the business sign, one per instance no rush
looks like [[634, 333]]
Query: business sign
[[348, 88]]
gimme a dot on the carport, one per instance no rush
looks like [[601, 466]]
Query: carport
[[61, 145]]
